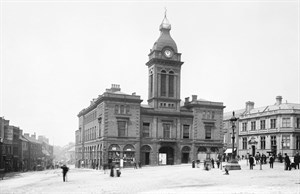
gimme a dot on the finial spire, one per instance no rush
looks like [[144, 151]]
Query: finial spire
[[165, 23]]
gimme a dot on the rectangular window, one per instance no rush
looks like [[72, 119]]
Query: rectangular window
[[122, 128], [244, 143], [262, 124], [151, 85], [213, 115], [244, 126], [273, 141], [117, 109], [127, 109], [253, 125], [262, 142], [297, 142], [286, 122], [273, 123], [286, 141], [122, 110], [298, 123], [166, 130], [208, 132], [186, 131], [146, 127]]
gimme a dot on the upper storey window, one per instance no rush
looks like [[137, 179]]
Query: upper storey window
[[286, 122], [171, 84], [163, 84]]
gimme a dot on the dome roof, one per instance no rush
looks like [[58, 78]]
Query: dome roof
[[165, 38]]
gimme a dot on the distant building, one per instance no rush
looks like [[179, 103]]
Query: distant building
[[269, 129], [117, 128]]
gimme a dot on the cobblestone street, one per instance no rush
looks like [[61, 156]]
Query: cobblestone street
[[162, 179]]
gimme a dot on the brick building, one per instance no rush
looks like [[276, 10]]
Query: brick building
[[117, 128]]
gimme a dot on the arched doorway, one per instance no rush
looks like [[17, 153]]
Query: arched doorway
[[128, 155], [166, 155], [202, 153], [114, 154], [185, 154], [145, 155]]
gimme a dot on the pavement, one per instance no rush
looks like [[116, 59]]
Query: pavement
[[160, 179]]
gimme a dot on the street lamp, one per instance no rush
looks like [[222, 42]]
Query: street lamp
[[232, 121], [233, 164]]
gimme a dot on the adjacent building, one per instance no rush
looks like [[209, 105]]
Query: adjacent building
[[117, 128], [21, 152], [269, 129]]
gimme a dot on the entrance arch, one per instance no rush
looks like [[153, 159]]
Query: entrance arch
[[166, 155], [145, 155], [185, 154]]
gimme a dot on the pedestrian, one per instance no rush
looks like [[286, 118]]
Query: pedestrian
[[213, 163], [280, 158], [271, 161], [251, 162], [287, 162], [218, 163], [65, 169], [297, 160], [140, 164], [193, 164], [112, 170], [105, 166], [118, 171]]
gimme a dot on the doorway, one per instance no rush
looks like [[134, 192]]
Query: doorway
[[253, 150], [166, 154], [185, 158]]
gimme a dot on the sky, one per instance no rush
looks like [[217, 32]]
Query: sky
[[56, 56]]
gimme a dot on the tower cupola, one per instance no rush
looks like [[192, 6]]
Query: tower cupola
[[165, 39]]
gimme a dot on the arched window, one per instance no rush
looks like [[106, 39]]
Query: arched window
[[163, 83], [171, 84], [151, 85]]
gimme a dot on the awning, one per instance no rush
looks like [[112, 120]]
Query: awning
[[229, 150]]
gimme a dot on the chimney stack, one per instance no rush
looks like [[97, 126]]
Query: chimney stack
[[278, 100], [194, 97], [249, 106]]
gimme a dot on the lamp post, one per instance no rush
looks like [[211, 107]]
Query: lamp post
[[233, 163], [232, 121]]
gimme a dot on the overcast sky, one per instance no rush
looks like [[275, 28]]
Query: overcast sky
[[56, 56]]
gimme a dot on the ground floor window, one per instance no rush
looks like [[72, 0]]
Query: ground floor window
[[286, 141], [298, 142], [262, 142], [244, 143]]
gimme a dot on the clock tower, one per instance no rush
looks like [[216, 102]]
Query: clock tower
[[164, 69]]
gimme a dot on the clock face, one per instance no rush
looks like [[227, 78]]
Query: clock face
[[168, 53]]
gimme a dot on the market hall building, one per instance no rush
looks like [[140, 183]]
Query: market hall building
[[117, 128]]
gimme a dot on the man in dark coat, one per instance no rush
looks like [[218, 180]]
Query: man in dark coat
[[271, 161], [287, 162], [251, 162], [65, 169], [297, 160], [213, 163]]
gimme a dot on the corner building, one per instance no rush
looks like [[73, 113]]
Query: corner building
[[116, 127]]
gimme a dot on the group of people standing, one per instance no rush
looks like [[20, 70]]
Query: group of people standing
[[262, 159]]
